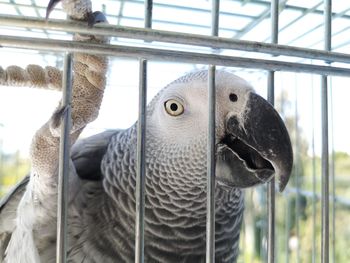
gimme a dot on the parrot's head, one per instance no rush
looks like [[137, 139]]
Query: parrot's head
[[252, 142]]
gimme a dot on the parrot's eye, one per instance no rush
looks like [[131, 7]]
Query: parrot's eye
[[173, 107], [233, 97]]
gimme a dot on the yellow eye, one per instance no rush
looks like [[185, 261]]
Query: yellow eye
[[173, 107]]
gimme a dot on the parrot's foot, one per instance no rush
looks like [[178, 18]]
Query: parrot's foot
[[92, 17], [57, 118]]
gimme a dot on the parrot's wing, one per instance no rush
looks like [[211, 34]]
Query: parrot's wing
[[87, 155]]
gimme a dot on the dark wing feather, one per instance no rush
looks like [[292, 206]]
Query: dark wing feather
[[87, 155]]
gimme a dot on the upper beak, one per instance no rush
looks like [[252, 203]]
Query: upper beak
[[258, 148]]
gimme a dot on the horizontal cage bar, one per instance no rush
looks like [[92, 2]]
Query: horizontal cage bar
[[169, 55], [175, 37]]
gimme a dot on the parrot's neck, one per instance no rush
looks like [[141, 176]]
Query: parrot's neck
[[175, 195]]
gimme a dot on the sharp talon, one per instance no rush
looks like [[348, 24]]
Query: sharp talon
[[95, 18], [51, 6], [58, 116]]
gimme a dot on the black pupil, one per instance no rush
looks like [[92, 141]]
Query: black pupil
[[173, 106], [233, 97]]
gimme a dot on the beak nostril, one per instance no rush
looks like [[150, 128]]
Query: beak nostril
[[233, 97]]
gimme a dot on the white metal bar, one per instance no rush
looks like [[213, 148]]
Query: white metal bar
[[64, 156], [174, 37], [287, 227], [325, 174], [297, 174], [314, 196], [148, 13], [271, 215], [141, 150], [215, 18], [210, 236], [271, 207], [210, 227], [141, 165], [325, 150], [168, 55], [332, 172]]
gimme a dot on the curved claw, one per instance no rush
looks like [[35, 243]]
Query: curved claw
[[95, 18], [51, 6]]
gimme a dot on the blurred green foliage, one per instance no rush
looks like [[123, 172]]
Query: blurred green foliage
[[13, 168]]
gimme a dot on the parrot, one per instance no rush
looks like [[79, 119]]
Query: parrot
[[252, 146]]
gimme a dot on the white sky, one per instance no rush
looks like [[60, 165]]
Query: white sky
[[24, 110]]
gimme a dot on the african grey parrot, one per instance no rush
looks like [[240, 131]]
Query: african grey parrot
[[252, 144]]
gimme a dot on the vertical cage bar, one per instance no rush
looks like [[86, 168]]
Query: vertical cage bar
[[325, 174], [325, 150], [328, 25], [148, 13], [287, 225], [141, 164], [297, 163], [271, 191], [215, 17], [64, 156], [210, 235], [271, 185], [210, 247], [274, 21], [314, 197], [141, 149], [332, 171]]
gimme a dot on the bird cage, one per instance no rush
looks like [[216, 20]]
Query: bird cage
[[296, 54]]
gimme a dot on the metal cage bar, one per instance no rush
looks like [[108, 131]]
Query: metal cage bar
[[141, 165], [210, 227], [271, 206], [141, 150], [64, 157], [210, 236], [297, 163], [314, 196], [169, 55], [325, 139], [175, 37], [287, 226], [325, 174], [332, 174]]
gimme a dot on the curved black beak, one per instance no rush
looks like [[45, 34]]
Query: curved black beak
[[256, 148]]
